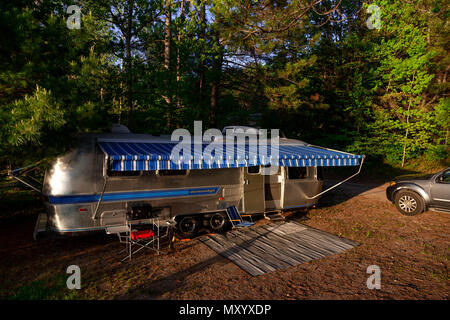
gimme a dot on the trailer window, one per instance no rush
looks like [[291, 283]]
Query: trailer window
[[172, 172], [297, 173], [111, 173], [319, 173], [253, 170]]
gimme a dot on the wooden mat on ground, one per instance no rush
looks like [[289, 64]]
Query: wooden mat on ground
[[274, 246]]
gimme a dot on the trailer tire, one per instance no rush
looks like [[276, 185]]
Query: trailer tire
[[188, 226], [218, 222]]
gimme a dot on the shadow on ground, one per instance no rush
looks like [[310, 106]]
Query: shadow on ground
[[371, 182]]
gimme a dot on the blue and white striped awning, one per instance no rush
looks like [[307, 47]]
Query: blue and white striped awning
[[143, 156]]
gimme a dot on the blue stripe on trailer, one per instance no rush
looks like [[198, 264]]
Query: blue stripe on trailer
[[140, 195]]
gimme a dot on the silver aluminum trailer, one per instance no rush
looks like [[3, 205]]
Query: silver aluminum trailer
[[110, 175]]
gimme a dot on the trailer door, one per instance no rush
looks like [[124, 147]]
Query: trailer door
[[273, 190], [254, 200]]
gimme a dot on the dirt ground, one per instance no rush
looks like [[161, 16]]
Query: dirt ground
[[412, 253]]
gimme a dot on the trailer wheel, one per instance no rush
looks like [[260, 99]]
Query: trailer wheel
[[218, 222], [188, 226]]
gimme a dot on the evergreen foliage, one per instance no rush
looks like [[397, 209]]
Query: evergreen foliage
[[311, 68]]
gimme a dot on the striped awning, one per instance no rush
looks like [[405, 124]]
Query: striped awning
[[142, 156]]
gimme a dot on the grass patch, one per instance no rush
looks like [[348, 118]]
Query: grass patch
[[16, 201], [53, 289]]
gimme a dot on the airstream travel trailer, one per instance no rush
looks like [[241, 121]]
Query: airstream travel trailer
[[111, 175]]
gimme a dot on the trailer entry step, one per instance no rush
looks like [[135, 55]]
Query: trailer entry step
[[274, 216], [41, 226]]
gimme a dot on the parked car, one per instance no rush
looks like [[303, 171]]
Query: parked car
[[415, 194]]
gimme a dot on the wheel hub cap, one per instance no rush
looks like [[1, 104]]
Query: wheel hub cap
[[217, 221], [187, 225], [407, 204]]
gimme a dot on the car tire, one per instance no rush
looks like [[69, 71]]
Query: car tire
[[409, 203]]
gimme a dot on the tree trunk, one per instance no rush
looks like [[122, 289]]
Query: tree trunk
[[215, 85], [179, 41], [406, 135], [167, 35], [121, 90], [202, 35], [128, 36], [167, 48], [179, 59]]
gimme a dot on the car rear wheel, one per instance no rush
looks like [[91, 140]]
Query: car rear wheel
[[409, 203]]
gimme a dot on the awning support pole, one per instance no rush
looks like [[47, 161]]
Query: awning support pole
[[105, 177], [29, 185], [338, 184], [16, 172], [99, 200]]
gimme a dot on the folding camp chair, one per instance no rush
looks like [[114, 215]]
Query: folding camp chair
[[139, 234], [236, 218]]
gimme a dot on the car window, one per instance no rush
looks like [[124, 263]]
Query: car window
[[446, 177]]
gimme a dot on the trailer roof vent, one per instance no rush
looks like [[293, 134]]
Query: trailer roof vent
[[119, 128], [244, 128]]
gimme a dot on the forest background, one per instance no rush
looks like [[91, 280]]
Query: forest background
[[367, 77]]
